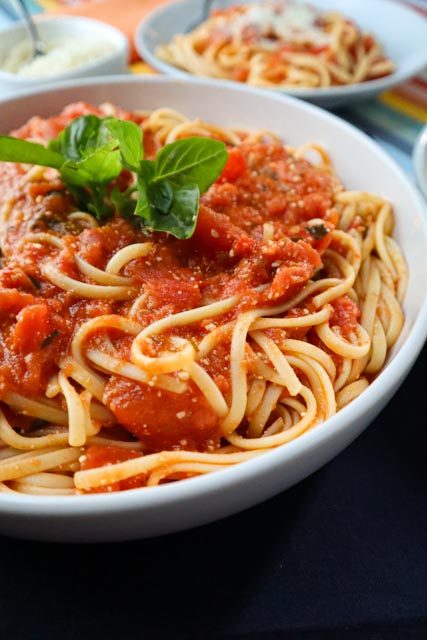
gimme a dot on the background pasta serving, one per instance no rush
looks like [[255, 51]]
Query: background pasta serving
[[279, 44]]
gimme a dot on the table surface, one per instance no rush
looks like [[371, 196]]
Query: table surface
[[341, 555]]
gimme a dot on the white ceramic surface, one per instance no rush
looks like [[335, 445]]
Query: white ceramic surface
[[420, 160], [57, 27], [361, 164], [401, 30]]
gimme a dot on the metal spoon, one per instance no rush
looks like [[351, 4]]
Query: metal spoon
[[206, 9], [39, 47]]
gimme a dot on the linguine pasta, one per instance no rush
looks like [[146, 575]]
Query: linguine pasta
[[129, 358]]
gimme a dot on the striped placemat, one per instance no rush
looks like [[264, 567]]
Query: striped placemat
[[395, 118]]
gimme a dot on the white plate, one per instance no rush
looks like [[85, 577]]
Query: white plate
[[401, 30], [420, 160], [361, 164]]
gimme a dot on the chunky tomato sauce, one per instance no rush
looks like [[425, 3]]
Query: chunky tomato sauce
[[261, 184]]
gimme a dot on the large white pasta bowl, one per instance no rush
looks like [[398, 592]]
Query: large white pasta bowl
[[361, 164]]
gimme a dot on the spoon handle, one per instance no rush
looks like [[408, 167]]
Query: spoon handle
[[38, 44], [206, 9]]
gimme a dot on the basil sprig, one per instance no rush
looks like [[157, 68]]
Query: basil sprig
[[92, 152]]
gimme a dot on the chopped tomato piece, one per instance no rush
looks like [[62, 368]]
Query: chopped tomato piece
[[102, 456], [345, 313], [12, 301], [33, 326], [234, 167], [163, 419]]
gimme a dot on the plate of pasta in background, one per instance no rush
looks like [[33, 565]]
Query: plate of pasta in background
[[330, 53], [200, 305]]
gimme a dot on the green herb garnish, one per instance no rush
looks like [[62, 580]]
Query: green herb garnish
[[318, 231], [92, 152], [36, 283], [49, 339]]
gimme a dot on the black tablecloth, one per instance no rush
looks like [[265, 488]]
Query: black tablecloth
[[341, 555]]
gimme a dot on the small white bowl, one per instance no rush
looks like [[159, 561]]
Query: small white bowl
[[53, 28], [420, 160], [361, 164], [401, 30]]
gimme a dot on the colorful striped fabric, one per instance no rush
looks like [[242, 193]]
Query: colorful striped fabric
[[396, 117]]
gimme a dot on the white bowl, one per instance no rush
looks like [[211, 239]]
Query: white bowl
[[401, 30], [420, 160], [361, 164], [113, 61]]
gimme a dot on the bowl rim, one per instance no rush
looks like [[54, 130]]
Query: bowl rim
[[374, 397], [359, 89], [121, 42]]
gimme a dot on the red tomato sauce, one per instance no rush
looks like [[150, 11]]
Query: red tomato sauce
[[227, 256], [100, 456]]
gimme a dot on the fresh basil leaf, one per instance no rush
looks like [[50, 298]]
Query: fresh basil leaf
[[55, 145], [192, 161], [181, 219], [161, 196], [101, 167], [124, 203], [83, 136], [144, 177], [81, 196], [169, 188], [27, 152], [185, 208], [146, 170], [93, 200], [98, 204], [129, 138], [177, 213], [142, 208]]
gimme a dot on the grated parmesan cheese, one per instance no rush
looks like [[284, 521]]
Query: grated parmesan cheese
[[291, 22], [62, 54]]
